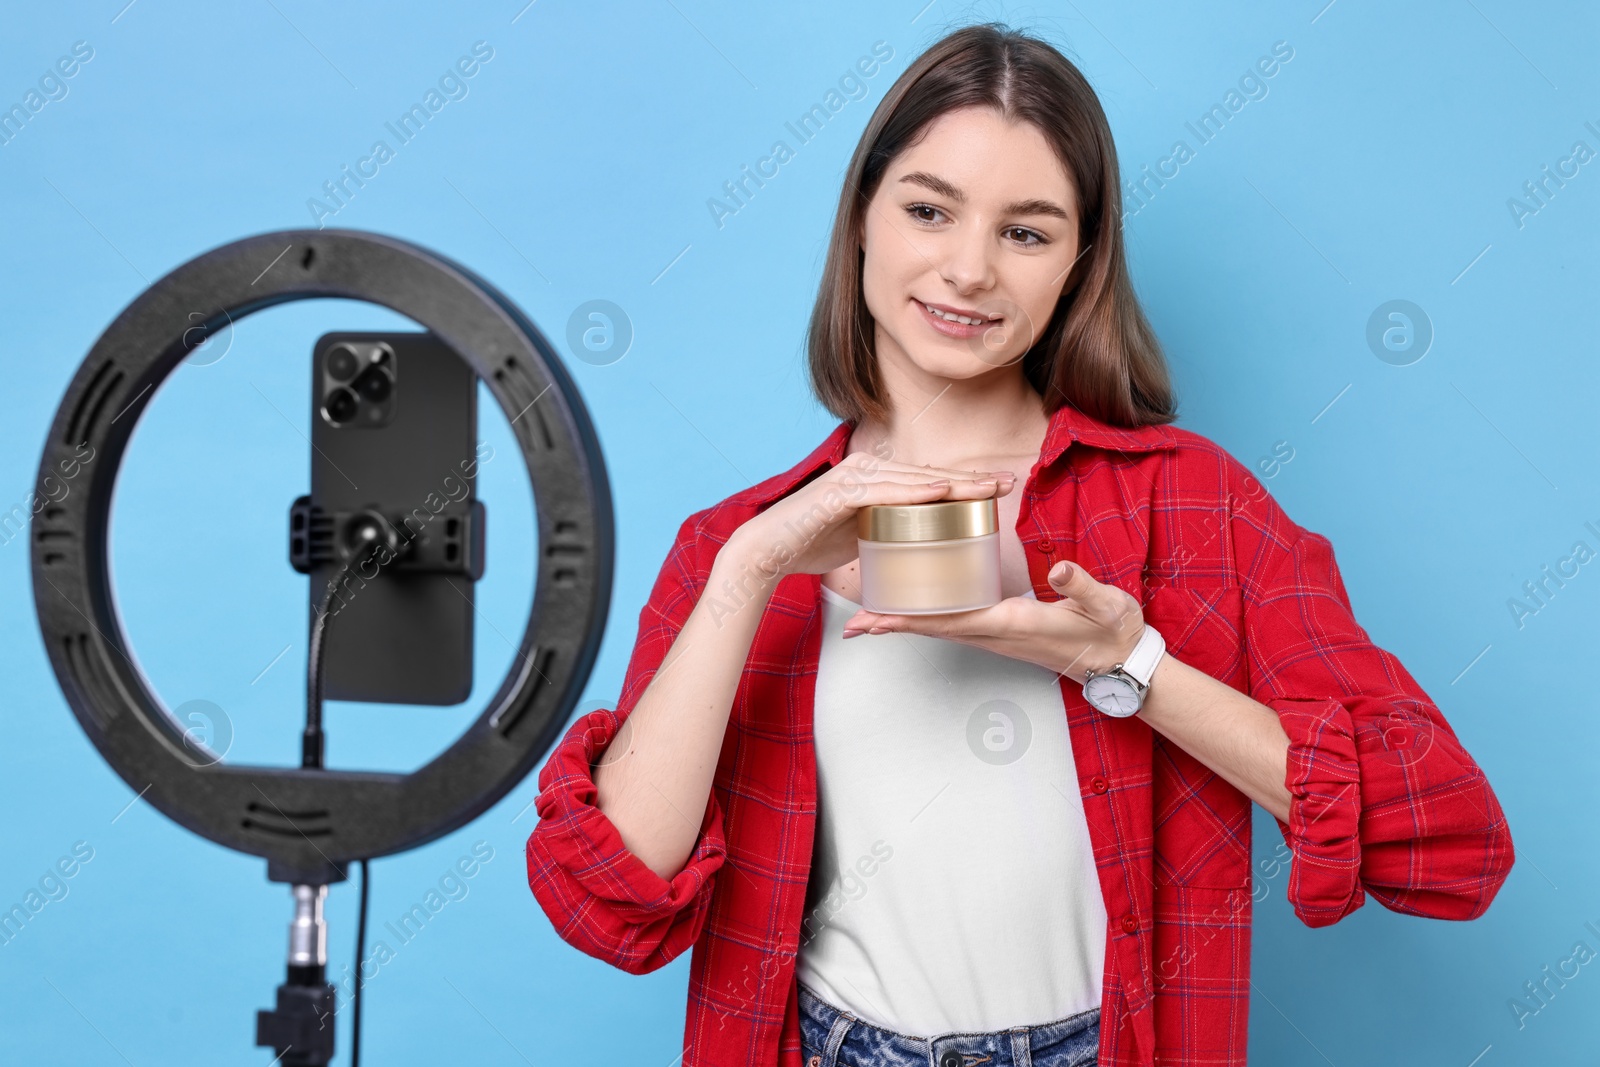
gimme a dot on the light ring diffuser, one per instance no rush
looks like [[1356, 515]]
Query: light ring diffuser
[[309, 824]]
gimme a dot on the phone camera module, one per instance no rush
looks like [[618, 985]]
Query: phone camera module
[[374, 384], [342, 363], [339, 406]]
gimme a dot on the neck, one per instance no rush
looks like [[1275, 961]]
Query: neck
[[945, 422]]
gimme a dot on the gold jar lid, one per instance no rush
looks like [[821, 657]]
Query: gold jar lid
[[939, 520]]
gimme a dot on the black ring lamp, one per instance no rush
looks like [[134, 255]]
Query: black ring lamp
[[309, 824]]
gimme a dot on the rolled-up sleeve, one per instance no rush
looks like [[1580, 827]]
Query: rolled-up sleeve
[[603, 899], [1384, 798]]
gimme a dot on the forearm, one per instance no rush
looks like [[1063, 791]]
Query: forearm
[[654, 779], [1237, 737]]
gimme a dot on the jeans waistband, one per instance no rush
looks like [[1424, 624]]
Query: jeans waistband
[[836, 1038]]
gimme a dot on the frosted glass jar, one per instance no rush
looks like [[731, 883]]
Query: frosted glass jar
[[929, 559]]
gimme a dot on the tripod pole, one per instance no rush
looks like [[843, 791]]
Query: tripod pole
[[301, 1028]]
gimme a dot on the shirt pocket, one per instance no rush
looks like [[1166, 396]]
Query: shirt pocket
[[1201, 822]]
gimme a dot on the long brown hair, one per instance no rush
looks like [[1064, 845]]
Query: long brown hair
[[1098, 352]]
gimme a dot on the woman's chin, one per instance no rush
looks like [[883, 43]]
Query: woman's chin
[[952, 367]]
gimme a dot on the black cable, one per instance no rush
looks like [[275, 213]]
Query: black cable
[[311, 741], [361, 951], [370, 534]]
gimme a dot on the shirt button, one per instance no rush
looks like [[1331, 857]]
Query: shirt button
[[1098, 784], [1044, 544], [1130, 924]]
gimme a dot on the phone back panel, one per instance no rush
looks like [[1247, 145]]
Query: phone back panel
[[398, 637]]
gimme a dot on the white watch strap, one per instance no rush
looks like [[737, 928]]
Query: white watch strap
[[1141, 662]]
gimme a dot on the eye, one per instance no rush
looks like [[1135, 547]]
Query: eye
[[915, 211], [1038, 238]]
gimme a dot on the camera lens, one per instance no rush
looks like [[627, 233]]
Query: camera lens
[[374, 384], [340, 405], [342, 363]]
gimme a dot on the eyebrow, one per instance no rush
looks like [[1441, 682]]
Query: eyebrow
[[1017, 207]]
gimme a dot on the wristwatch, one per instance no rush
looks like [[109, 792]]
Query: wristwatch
[[1119, 692]]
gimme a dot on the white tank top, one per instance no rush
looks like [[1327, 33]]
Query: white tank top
[[953, 884]]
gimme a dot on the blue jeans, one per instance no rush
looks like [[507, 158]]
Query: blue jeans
[[832, 1037]]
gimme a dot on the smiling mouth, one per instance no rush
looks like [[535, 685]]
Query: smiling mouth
[[960, 320]]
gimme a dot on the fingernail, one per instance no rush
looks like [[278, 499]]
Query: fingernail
[[848, 634]]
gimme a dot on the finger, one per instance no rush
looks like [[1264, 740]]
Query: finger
[[1074, 583], [1069, 580], [860, 623], [871, 622], [1003, 479], [954, 625], [890, 491], [946, 472], [1109, 603], [983, 487], [894, 491]]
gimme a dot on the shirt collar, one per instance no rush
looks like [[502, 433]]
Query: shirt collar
[[1067, 425]]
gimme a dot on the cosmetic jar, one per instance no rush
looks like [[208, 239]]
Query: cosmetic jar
[[928, 559]]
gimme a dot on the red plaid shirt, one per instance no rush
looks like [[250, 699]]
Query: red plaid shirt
[[1385, 799]]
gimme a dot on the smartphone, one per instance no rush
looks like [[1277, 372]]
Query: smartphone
[[394, 423]]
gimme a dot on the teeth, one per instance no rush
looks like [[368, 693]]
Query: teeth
[[962, 319]]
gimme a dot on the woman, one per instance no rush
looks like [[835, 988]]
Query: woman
[[928, 846]]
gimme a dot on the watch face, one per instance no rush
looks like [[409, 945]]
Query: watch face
[[1111, 695]]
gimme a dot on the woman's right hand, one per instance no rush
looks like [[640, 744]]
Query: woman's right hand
[[813, 529]]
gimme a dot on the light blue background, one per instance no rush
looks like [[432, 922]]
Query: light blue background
[[578, 167]]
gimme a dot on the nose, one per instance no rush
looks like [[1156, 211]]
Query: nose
[[968, 262]]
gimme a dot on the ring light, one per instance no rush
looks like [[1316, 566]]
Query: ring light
[[309, 824]]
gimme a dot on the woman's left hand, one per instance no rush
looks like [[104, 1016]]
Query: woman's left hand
[[1092, 627]]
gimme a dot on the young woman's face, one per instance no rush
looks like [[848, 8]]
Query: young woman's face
[[978, 219]]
